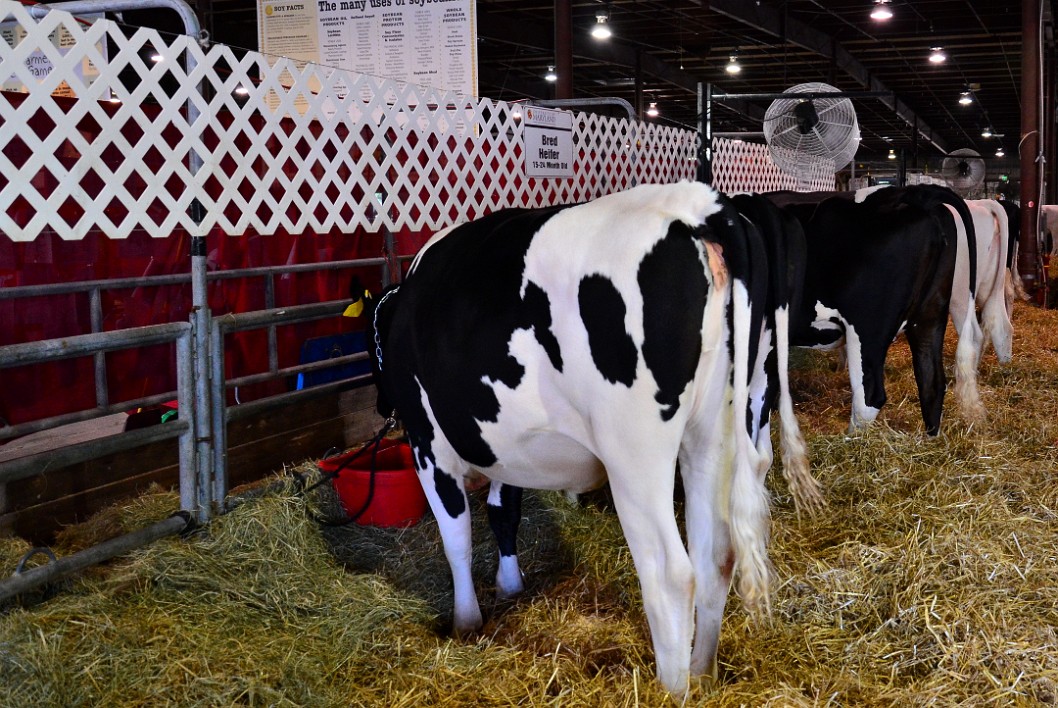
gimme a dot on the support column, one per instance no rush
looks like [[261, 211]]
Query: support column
[[564, 48], [705, 133], [202, 418], [1049, 77], [639, 84], [1029, 151]]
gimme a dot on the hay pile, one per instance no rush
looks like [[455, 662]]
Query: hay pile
[[932, 579]]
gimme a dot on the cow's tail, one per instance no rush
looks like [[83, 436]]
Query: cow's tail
[[788, 277], [749, 498], [971, 337], [806, 491], [748, 501], [967, 354]]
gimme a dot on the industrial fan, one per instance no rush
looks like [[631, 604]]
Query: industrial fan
[[803, 132], [964, 170]]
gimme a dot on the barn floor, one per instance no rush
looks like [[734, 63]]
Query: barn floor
[[931, 579]]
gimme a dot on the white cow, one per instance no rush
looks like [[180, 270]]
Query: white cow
[[994, 301], [1049, 226]]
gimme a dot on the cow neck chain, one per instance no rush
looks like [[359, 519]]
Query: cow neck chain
[[374, 322]]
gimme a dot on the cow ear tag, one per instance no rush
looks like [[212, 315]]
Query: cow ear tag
[[354, 309], [357, 308]]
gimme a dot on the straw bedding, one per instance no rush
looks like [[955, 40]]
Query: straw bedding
[[931, 579]]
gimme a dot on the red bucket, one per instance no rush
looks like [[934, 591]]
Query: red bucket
[[398, 499]]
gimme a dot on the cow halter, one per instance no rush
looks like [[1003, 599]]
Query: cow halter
[[374, 323]]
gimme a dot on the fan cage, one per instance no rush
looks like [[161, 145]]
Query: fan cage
[[834, 138]]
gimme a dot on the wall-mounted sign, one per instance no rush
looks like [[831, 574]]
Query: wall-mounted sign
[[424, 42], [548, 136]]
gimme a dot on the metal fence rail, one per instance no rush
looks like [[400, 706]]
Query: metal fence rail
[[98, 343], [202, 487]]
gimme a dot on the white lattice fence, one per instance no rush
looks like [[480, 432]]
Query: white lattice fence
[[747, 167], [299, 148]]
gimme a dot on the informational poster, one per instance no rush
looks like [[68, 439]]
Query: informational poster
[[424, 42], [548, 136], [289, 29], [38, 63]]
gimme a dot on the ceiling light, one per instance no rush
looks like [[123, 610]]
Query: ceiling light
[[986, 133], [892, 154], [156, 58], [937, 55], [732, 64], [551, 75], [881, 11], [601, 30], [653, 110], [965, 99], [241, 90], [1000, 153]]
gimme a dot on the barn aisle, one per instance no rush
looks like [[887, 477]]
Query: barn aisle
[[932, 579]]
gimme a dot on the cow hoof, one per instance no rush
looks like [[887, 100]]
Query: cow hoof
[[509, 580], [467, 623]]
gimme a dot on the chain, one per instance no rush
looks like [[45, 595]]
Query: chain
[[374, 323]]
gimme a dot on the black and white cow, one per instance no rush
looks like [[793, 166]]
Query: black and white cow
[[783, 242], [565, 347], [945, 203], [876, 269], [1014, 226]]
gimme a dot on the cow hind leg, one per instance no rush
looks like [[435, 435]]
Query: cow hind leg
[[505, 513], [926, 341], [642, 495], [967, 356], [712, 555], [805, 489], [447, 497]]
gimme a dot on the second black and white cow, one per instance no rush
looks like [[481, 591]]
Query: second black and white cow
[[946, 205], [876, 269], [1013, 212], [783, 243], [562, 348]]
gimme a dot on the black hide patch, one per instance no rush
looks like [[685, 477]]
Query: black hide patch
[[451, 328], [672, 280], [453, 498], [602, 309], [505, 518], [538, 309]]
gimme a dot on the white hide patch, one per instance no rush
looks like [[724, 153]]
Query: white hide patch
[[824, 322], [862, 194], [861, 412]]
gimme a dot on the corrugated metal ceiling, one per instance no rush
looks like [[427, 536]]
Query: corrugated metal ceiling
[[780, 44], [678, 43]]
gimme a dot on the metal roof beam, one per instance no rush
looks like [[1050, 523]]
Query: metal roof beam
[[494, 27], [771, 21]]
